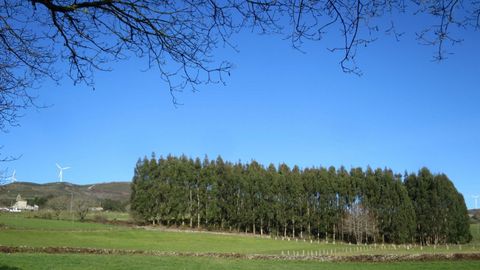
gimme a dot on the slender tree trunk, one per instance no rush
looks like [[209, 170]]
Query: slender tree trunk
[[334, 233], [342, 233], [198, 207], [191, 209], [285, 230], [268, 227], [308, 224], [261, 226], [206, 211], [293, 227], [366, 231]]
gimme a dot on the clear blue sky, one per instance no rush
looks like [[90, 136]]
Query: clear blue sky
[[279, 105]]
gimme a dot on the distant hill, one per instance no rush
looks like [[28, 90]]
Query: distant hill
[[113, 190]]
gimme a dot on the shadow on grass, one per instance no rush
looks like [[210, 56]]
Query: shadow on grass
[[6, 267]]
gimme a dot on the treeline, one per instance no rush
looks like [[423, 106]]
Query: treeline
[[358, 206]]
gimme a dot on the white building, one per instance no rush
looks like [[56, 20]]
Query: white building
[[21, 204]]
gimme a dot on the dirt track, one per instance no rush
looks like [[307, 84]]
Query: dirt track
[[352, 258]]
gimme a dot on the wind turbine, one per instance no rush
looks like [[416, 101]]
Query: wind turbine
[[60, 174], [476, 200], [12, 178]]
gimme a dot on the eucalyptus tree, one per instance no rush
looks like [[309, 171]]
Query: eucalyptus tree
[[441, 214], [284, 186]]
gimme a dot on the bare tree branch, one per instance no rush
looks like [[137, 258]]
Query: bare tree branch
[[179, 38]]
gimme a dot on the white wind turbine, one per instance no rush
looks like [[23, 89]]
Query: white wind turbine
[[476, 200], [60, 174], [13, 177]]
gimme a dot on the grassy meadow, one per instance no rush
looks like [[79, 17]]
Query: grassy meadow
[[106, 262], [22, 230]]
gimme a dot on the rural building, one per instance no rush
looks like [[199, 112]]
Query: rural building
[[21, 204]]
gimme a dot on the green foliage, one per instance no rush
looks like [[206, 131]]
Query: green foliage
[[113, 205], [313, 203], [440, 209], [6, 202], [40, 201]]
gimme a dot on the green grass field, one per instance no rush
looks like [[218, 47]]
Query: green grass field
[[48, 261], [475, 230], [20, 230]]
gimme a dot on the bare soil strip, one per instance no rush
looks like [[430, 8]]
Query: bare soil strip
[[324, 258]]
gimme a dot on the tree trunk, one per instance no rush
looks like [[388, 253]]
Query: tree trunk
[[206, 211], [269, 231], [366, 231], [342, 232], [293, 227], [334, 233], [198, 207], [191, 209], [261, 226], [309, 229]]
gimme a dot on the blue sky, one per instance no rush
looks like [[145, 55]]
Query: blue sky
[[279, 105]]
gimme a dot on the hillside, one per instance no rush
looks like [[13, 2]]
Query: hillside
[[114, 190]]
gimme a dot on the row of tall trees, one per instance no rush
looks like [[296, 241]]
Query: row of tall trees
[[359, 206]]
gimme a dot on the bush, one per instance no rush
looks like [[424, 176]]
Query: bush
[[113, 205], [40, 201], [41, 214], [100, 218]]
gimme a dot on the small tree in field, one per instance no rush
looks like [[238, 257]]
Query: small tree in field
[[81, 208], [57, 205]]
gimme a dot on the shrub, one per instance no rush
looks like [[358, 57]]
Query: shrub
[[100, 218]]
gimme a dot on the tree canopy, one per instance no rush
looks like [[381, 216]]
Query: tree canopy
[[359, 206]]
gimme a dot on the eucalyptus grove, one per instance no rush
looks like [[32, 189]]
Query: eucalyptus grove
[[358, 206]]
